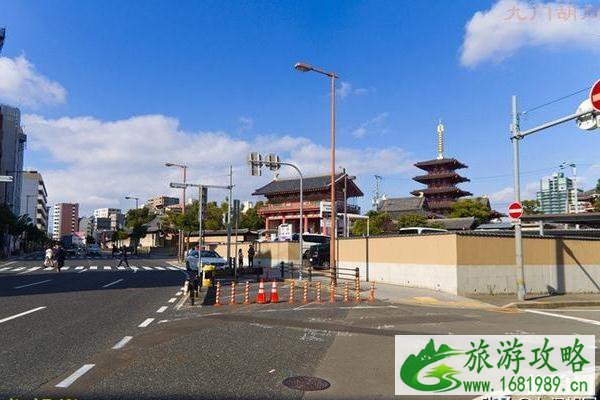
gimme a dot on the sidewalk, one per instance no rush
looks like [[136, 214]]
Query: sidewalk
[[541, 301]]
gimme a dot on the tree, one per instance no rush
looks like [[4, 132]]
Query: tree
[[531, 207], [251, 220], [379, 223], [415, 220], [471, 208], [136, 219]]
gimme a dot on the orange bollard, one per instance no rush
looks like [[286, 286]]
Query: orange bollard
[[260, 299], [372, 292], [318, 292], [218, 294], [332, 292], [305, 293], [346, 293], [232, 297], [247, 293], [292, 299], [274, 295], [357, 290]]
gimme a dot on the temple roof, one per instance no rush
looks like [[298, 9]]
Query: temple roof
[[451, 176], [310, 184], [441, 190], [451, 163]]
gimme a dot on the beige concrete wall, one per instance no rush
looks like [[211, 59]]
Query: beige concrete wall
[[270, 254]]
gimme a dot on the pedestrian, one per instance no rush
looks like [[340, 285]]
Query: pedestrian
[[49, 258], [240, 258], [114, 250], [59, 255], [123, 259], [251, 256]]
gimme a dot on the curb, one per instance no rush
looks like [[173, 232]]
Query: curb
[[554, 304]]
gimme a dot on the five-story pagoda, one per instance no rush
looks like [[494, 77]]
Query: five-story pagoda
[[441, 179]]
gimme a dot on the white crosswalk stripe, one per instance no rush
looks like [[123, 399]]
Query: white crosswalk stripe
[[4, 269], [173, 268], [48, 269], [121, 268], [80, 267], [94, 267], [65, 268], [107, 267], [33, 269], [18, 269], [147, 268], [160, 268]]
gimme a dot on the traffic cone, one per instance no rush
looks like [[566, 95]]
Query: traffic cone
[[260, 299], [274, 295]]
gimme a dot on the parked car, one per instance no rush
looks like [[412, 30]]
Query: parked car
[[208, 257], [318, 256], [93, 249], [419, 230]]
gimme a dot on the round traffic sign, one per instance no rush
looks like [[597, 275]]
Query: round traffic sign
[[595, 95], [515, 210]]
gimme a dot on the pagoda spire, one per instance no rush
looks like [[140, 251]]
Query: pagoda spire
[[440, 147]]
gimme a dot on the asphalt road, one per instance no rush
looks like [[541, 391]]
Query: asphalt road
[[208, 352]]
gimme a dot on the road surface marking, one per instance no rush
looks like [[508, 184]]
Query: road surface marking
[[160, 268], [33, 269], [94, 267], [80, 267], [121, 268], [18, 269], [21, 314], [48, 268], [172, 299], [83, 270], [147, 268], [112, 283], [584, 320], [32, 284], [147, 322], [107, 267], [122, 342], [178, 293], [65, 268], [162, 309], [173, 268], [8, 263], [134, 269], [76, 375], [4, 269]]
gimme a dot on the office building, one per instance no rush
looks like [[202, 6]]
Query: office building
[[106, 212], [65, 220], [86, 226], [34, 199], [159, 204], [556, 194], [12, 146]]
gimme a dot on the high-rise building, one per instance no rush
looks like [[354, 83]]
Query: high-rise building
[[106, 212], [34, 199], [86, 225], [441, 179], [159, 204], [12, 146], [65, 219], [556, 194]]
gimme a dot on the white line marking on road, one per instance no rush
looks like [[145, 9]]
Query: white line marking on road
[[135, 269], [32, 284], [112, 283], [147, 322], [174, 268], [182, 301], [75, 375], [8, 263], [66, 268], [162, 309], [172, 299], [178, 293], [107, 267], [33, 269], [584, 320], [82, 271], [21, 314], [147, 268], [79, 267], [18, 269], [4, 269], [94, 267], [48, 269], [121, 268], [122, 343], [160, 268]]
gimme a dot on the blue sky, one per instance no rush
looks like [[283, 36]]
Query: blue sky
[[223, 72]]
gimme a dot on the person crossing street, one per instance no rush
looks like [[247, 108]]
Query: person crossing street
[[123, 257]]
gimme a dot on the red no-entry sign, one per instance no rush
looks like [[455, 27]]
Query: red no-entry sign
[[515, 210], [595, 95]]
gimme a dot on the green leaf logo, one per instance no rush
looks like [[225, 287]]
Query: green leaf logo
[[409, 372]]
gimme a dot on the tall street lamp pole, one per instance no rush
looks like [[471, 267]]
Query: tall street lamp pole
[[180, 241], [303, 67], [137, 199]]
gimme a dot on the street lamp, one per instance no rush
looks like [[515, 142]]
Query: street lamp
[[304, 67], [184, 168], [137, 199]]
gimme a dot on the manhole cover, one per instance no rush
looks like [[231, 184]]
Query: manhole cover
[[306, 383]]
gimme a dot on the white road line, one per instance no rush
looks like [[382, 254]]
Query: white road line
[[79, 267], [584, 320], [122, 343], [107, 267], [172, 299], [8, 263], [4, 269], [21, 314], [82, 271], [160, 268], [147, 322], [33, 269], [178, 293], [147, 268], [121, 268], [18, 269], [66, 268], [75, 375], [48, 269], [94, 267], [174, 268], [112, 283], [32, 284], [162, 309]]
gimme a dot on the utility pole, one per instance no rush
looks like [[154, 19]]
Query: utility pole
[[345, 203], [229, 216], [515, 137], [377, 191]]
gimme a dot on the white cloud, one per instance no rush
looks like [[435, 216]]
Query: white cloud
[[503, 197], [510, 25], [246, 123], [374, 125], [21, 84], [345, 89], [103, 161]]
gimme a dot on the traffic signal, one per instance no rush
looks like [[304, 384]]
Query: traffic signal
[[273, 162], [255, 161]]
